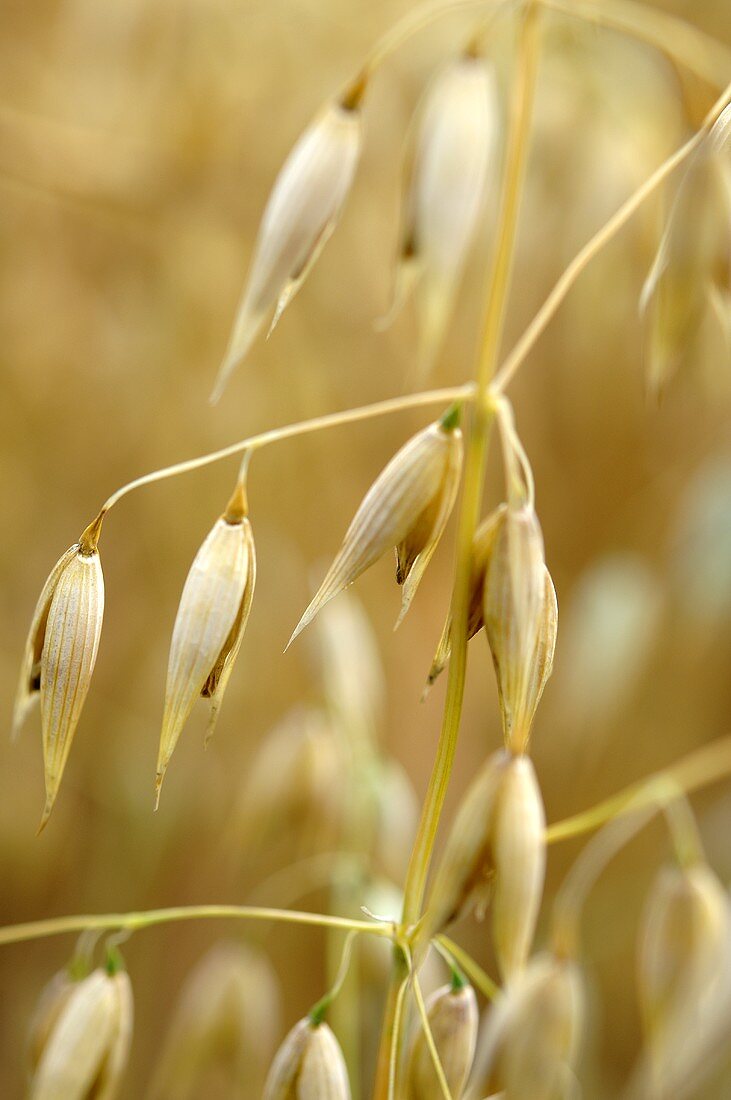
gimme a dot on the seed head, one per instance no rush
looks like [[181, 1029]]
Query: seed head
[[86, 1049], [449, 162], [227, 1016], [302, 212], [453, 1018], [60, 654], [495, 848], [407, 506], [683, 955], [519, 855], [521, 619], [530, 1039], [690, 275], [209, 627], [308, 1066]]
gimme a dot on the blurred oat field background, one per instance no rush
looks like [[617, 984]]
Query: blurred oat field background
[[138, 143]]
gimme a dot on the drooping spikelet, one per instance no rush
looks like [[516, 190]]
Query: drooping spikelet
[[690, 279], [449, 163], [453, 1019], [309, 1066], [226, 1020], [683, 965], [521, 617], [300, 216], [495, 848], [85, 1052], [60, 654], [529, 1042], [209, 626], [407, 507]]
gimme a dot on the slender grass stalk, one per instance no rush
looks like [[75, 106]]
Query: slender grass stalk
[[707, 765], [133, 922], [496, 301], [436, 1060]]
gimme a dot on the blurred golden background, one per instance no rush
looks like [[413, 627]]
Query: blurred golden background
[[138, 144]]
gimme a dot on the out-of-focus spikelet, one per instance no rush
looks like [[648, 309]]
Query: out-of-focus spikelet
[[60, 654], [309, 1066], [683, 960], [300, 216], [448, 166], [86, 1050], [453, 1019], [407, 507], [691, 272], [529, 1041], [227, 1017], [209, 626]]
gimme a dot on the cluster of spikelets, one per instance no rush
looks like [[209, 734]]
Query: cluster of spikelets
[[528, 1043]]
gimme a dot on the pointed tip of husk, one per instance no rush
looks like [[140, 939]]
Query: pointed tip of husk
[[47, 810], [159, 777]]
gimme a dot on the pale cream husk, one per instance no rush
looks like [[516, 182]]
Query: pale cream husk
[[683, 955], [521, 620], [407, 507], [213, 612], [453, 1019], [450, 161], [309, 1065], [59, 658], [300, 215], [519, 856], [529, 1041], [86, 1051]]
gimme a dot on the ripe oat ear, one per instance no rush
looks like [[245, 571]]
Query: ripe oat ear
[[308, 1064], [300, 216], [209, 626], [410, 500], [448, 167], [453, 1019]]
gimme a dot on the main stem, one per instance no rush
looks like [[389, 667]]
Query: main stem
[[498, 284]]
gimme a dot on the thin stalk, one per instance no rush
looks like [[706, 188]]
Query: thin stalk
[[707, 765], [55, 926], [429, 1036], [483, 412], [600, 239], [275, 435], [391, 1046], [675, 37], [496, 300]]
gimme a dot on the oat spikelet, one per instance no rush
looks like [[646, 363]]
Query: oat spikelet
[[519, 855], [691, 272], [60, 654], [309, 1065], [210, 623], [453, 1018], [683, 958], [448, 166], [226, 1018], [407, 507], [86, 1051], [466, 869], [529, 1042], [300, 216]]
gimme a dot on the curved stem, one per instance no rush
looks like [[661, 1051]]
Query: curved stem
[[472, 969], [275, 435], [678, 39], [55, 926], [429, 1036], [704, 766], [601, 238]]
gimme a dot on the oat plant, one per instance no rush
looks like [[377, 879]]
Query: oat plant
[[518, 1032]]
